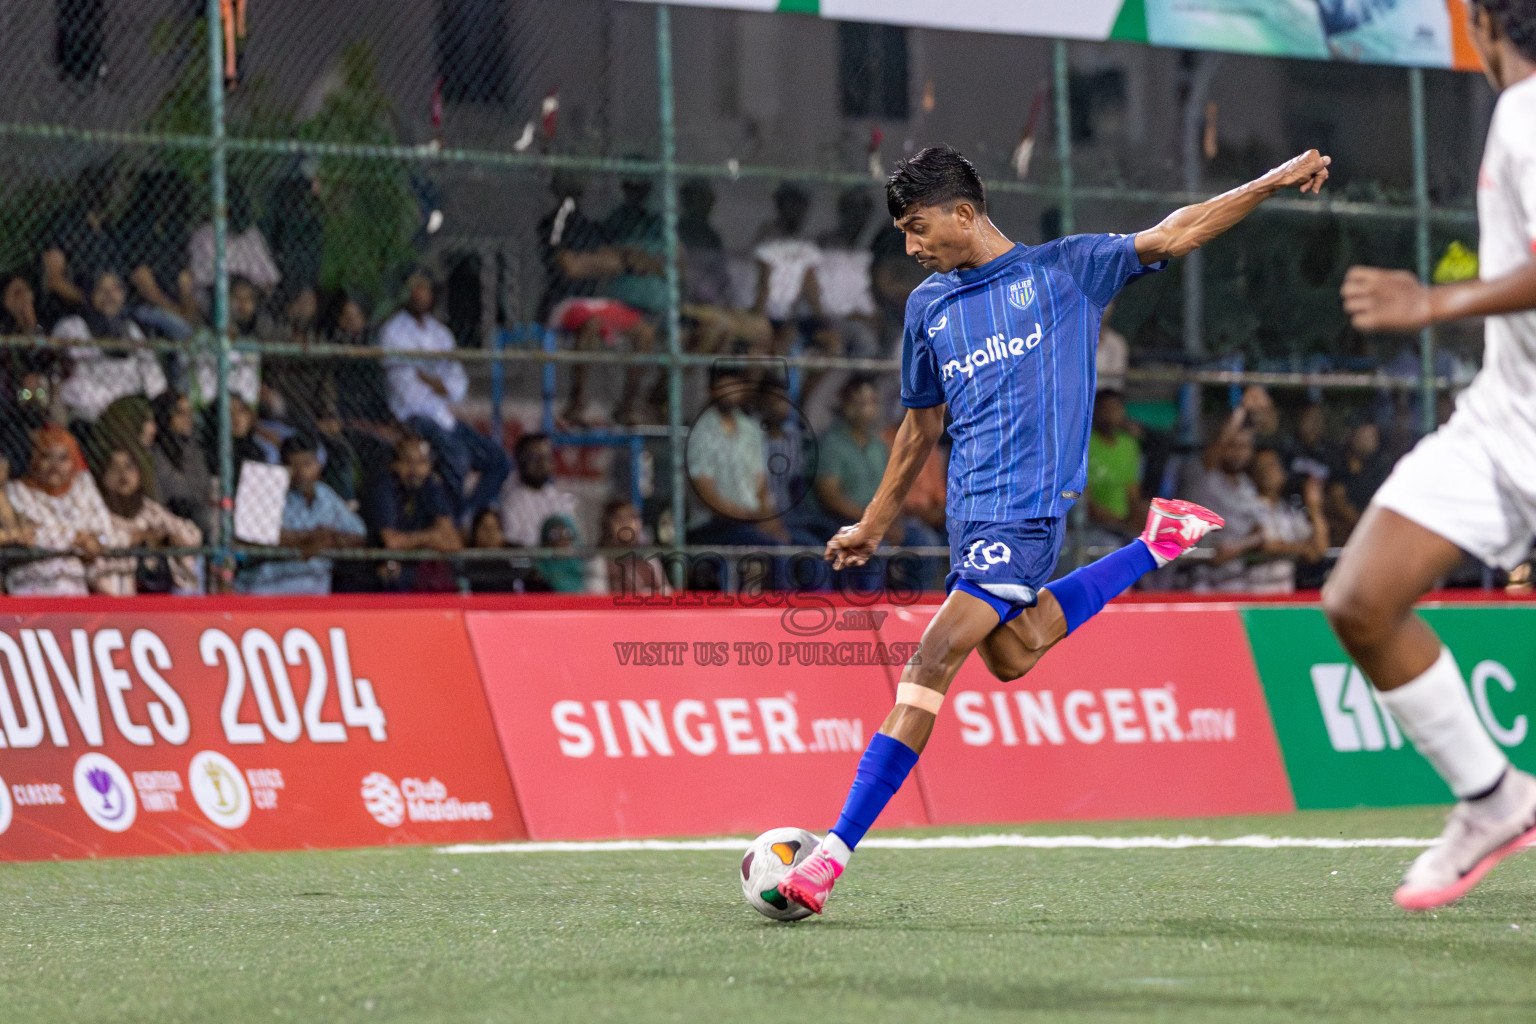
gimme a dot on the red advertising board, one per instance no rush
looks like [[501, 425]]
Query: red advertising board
[[632, 723], [1144, 712], [146, 732]]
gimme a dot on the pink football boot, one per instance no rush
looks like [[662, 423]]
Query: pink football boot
[[1173, 527], [810, 882]]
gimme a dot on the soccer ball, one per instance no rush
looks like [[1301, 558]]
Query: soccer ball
[[766, 862]]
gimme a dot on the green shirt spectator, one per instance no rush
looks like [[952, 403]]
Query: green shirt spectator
[[1114, 468], [850, 457]]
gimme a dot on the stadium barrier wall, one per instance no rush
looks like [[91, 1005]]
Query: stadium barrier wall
[[152, 726]]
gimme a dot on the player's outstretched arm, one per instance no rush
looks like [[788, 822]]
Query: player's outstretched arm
[[1394, 300], [919, 432], [1183, 231]]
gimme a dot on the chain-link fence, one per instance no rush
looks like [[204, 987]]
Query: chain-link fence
[[466, 295]]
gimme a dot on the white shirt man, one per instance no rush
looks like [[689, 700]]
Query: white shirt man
[[410, 394]]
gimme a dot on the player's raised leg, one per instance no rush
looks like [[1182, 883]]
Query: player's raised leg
[[1173, 527], [1389, 564]]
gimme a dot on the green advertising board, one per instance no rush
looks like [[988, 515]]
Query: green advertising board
[[1341, 749]]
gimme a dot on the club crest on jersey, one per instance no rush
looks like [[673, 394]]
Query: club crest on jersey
[[1021, 294], [993, 349], [982, 555]]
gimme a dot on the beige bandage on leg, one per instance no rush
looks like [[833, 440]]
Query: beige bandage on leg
[[919, 697]]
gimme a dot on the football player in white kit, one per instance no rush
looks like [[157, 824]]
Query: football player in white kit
[[1470, 486]]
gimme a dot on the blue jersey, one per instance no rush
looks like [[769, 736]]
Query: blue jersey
[[1011, 346]]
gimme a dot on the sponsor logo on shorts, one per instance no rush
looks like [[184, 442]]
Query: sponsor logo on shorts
[[219, 789], [103, 790], [983, 554]]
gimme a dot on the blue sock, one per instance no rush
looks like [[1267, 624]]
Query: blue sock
[[882, 770], [1084, 593]]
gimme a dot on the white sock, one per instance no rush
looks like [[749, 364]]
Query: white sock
[[1436, 713], [835, 848]]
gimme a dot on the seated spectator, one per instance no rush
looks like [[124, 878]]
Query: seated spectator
[[127, 425], [788, 293], [18, 308], [1113, 356], [789, 464], [82, 243], [627, 576], [407, 509], [183, 483], [422, 394], [1312, 455], [246, 322], [98, 376], [513, 574], [634, 232], [1355, 480], [713, 324], [145, 523], [246, 252], [851, 459], [14, 530], [362, 397], [565, 575], [1291, 534], [343, 469], [1263, 417], [1115, 504], [844, 275], [154, 236], [315, 519], [1224, 486], [25, 403], [531, 496], [60, 501], [727, 466]]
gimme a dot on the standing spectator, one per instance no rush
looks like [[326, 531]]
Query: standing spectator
[[145, 523], [422, 394], [628, 576], [246, 252], [532, 497], [81, 245], [98, 377], [182, 479], [1115, 504], [407, 509], [1361, 471], [1291, 534], [727, 466], [60, 500], [154, 234], [315, 519]]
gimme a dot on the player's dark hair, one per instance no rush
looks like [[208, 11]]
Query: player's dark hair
[[1517, 20], [935, 177]]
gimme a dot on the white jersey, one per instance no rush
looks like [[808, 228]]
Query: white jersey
[[1500, 405]]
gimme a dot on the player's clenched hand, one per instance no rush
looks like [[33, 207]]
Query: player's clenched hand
[[1309, 171], [1385, 300], [852, 546]]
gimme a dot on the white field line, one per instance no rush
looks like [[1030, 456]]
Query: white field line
[[991, 842]]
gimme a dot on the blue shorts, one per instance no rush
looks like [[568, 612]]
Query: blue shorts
[[1004, 564]]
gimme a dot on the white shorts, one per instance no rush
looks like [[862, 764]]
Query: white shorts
[[1450, 485]]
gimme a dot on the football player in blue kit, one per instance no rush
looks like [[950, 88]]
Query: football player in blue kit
[[1005, 337]]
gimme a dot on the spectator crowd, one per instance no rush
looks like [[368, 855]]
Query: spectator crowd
[[109, 454]]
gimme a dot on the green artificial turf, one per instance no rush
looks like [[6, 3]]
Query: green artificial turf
[[929, 935]]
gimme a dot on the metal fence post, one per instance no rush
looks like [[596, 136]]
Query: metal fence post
[[668, 117], [1062, 68], [218, 180], [1427, 396]]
